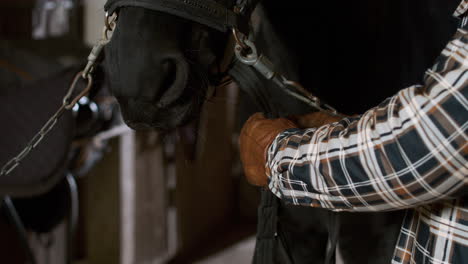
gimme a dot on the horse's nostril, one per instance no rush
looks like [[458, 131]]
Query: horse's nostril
[[174, 76], [169, 69]]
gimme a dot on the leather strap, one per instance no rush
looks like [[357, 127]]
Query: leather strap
[[269, 247], [333, 233], [206, 12], [253, 85]]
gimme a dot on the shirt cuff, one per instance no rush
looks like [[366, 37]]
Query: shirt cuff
[[273, 160]]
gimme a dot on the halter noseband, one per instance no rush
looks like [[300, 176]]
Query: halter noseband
[[222, 17]]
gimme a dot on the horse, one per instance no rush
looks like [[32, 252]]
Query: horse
[[357, 53]]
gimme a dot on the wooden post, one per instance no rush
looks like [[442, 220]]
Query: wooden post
[[143, 199]]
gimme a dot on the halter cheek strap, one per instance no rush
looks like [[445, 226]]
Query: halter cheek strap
[[206, 12]]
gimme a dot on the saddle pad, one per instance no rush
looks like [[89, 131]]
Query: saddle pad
[[23, 111]]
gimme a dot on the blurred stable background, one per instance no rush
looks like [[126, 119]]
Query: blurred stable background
[[140, 198]]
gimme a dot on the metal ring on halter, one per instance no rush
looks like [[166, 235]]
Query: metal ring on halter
[[251, 58], [69, 105], [109, 20], [239, 42], [109, 25]]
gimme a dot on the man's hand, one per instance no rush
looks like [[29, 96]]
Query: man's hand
[[255, 137], [259, 132]]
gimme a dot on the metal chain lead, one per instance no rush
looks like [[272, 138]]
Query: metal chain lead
[[67, 104], [246, 52]]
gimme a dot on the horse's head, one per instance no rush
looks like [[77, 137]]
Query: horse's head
[[160, 66]]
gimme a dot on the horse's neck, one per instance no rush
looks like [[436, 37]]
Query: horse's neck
[[272, 45], [354, 45]]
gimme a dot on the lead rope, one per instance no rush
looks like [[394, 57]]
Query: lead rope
[[246, 53], [67, 102]]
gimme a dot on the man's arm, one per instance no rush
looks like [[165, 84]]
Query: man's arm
[[410, 150]]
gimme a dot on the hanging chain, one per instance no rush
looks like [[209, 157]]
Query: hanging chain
[[246, 52], [67, 102]]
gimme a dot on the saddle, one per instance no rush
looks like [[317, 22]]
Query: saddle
[[23, 111]]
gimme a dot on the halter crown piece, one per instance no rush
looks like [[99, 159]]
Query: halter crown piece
[[220, 15]]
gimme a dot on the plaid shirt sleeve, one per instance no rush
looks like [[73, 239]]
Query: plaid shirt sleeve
[[408, 151]]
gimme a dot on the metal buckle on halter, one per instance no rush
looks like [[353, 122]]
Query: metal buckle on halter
[[246, 52]]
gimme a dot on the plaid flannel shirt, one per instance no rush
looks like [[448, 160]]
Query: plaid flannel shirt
[[410, 152]]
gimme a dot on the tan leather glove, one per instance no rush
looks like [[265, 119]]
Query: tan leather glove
[[315, 119], [255, 137], [259, 132]]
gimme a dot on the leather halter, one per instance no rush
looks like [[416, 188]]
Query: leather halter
[[219, 15]]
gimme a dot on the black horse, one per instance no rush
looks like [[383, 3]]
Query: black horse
[[353, 54]]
